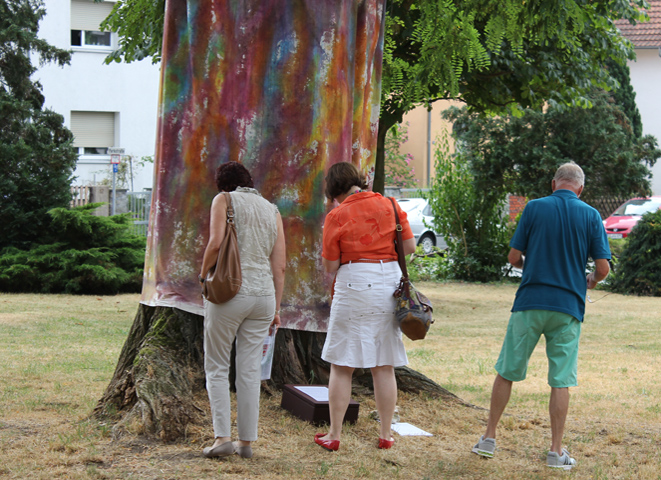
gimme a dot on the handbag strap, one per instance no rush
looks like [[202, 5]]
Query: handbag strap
[[230, 222], [230, 208], [399, 245]]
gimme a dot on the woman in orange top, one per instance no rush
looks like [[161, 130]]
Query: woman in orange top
[[359, 244]]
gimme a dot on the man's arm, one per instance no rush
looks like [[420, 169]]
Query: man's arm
[[601, 271], [515, 257]]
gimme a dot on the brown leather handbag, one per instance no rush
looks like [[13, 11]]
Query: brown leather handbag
[[413, 310], [223, 280]]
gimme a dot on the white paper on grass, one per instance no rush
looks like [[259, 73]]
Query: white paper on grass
[[408, 429], [267, 355], [320, 394]]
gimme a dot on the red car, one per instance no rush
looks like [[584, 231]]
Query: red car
[[627, 215]]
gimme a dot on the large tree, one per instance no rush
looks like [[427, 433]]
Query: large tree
[[36, 148], [498, 56], [495, 55]]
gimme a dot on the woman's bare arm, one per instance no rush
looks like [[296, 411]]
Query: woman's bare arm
[[278, 263]]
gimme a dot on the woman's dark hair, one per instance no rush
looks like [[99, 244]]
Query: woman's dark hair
[[231, 175], [341, 177]]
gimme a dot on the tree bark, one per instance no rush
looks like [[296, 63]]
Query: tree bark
[[158, 388], [160, 373], [386, 121]]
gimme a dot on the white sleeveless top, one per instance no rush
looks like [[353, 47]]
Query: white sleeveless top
[[257, 229]]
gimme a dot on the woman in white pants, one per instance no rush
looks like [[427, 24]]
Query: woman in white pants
[[246, 317]]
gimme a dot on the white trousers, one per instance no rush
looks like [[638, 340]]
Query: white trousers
[[246, 318]]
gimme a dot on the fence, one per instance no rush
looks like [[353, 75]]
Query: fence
[[398, 192], [607, 205], [604, 205], [137, 204], [80, 195]]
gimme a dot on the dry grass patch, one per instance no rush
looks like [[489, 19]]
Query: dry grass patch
[[58, 352]]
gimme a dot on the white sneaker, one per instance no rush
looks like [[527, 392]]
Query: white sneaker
[[485, 447], [564, 461]]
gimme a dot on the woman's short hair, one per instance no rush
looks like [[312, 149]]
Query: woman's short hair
[[231, 175], [341, 177], [571, 173]]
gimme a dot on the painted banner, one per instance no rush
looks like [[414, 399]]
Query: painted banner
[[286, 87]]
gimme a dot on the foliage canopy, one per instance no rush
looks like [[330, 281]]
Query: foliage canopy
[[520, 154]]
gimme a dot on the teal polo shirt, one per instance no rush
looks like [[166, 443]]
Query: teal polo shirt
[[558, 234]]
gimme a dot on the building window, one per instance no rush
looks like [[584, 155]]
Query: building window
[[93, 132], [86, 38], [86, 18], [93, 151]]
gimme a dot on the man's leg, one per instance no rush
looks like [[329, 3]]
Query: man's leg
[[558, 407], [562, 338], [520, 340], [500, 396]]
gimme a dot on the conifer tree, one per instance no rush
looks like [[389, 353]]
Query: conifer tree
[[37, 157]]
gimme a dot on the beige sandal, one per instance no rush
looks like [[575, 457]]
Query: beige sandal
[[223, 450], [243, 452]]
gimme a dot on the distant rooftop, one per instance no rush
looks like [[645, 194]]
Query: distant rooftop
[[646, 34]]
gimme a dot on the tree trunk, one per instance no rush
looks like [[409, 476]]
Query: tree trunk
[[158, 388], [160, 373], [385, 123], [380, 161]]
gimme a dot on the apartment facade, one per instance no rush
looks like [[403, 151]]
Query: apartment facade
[[645, 73], [109, 108]]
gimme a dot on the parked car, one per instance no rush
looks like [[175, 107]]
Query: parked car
[[421, 220], [627, 215]]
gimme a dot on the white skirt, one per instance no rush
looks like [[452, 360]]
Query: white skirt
[[363, 331]]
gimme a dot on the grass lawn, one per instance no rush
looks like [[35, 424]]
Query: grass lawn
[[58, 353]]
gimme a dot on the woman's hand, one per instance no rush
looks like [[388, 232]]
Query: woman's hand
[[275, 323]]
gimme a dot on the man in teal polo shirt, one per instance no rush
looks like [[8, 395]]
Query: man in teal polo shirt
[[552, 244]]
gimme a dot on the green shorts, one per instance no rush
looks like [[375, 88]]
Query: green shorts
[[562, 332]]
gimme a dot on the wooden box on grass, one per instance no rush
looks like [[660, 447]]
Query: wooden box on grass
[[311, 410]]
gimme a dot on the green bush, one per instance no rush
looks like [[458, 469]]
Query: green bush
[[79, 253], [425, 268], [471, 219], [639, 265], [617, 246]]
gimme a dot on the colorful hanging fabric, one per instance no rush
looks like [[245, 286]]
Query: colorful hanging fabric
[[286, 87]]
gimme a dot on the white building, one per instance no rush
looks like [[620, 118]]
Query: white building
[[104, 105], [646, 76]]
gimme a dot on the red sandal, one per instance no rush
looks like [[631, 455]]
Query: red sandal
[[386, 444], [332, 445]]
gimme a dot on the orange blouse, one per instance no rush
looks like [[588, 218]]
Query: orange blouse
[[363, 226]]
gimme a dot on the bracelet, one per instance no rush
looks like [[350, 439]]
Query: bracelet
[[277, 312]]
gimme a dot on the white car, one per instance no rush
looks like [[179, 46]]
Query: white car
[[421, 220]]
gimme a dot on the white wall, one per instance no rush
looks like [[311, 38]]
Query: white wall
[[646, 81], [130, 90]]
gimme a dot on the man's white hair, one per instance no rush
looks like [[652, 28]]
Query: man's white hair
[[570, 173]]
